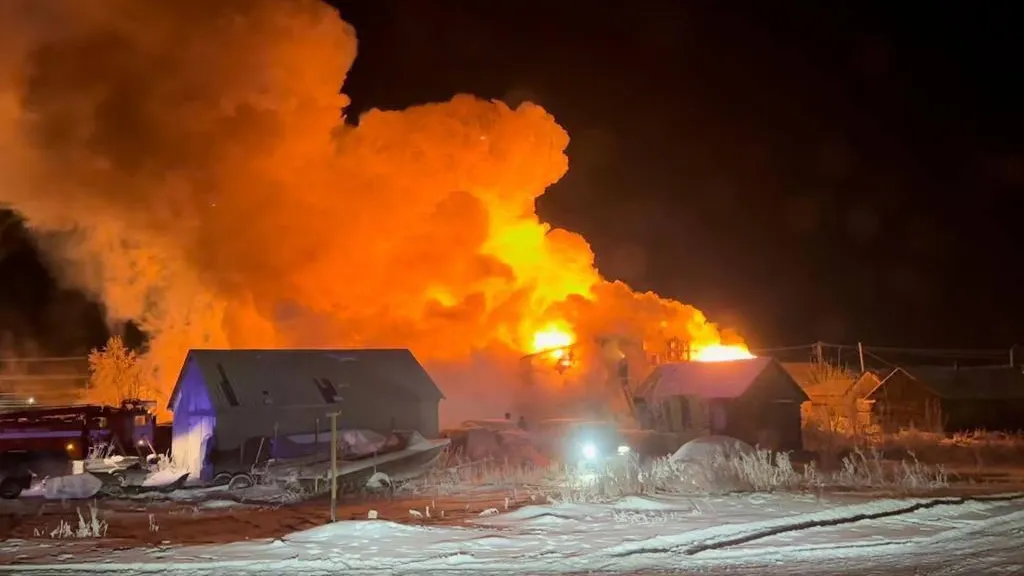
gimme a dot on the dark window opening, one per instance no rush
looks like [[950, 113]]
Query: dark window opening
[[267, 398], [225, 387], [327, 390]]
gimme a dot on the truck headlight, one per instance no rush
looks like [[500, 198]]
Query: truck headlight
[[589, 451], [623, 450]]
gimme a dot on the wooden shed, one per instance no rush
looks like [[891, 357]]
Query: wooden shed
[[950, 399], [835, 396], [225, 398], [753, 400]]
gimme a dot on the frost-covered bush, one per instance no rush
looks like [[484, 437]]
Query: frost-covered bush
[[93, 527]]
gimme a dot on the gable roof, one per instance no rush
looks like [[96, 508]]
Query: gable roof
[[704, 379], [970, 383], [836, 383], [253, 372]]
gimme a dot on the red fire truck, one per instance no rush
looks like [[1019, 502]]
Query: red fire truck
[[56, 435]]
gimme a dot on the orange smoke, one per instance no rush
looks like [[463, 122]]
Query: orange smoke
[[188, 164]]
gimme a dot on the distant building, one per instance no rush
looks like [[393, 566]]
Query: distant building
[[835, 395], [949, 399], [754, 400], [225, 398]]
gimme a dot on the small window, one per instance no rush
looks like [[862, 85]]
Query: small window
[[101, 422], [327, 390], [225, 387], [267, 399], [141, 420]]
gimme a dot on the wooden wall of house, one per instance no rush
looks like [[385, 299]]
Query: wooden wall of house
[[904, 403], [838, 414], [686, 416], [769, 412], [774, 425]]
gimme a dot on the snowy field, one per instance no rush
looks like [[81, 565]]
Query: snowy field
[[736, 534]]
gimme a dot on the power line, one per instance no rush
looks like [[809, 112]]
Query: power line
[[45, 359], [16, 378]]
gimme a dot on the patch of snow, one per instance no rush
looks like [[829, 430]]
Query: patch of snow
[[162, 477], [710, 448], [76, 486], [36, 490], [741, 534], [663, 504], [378, 480], [218, 504]]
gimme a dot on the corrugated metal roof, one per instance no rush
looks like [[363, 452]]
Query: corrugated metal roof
[[703, 379], [291, 377], [971, 383]]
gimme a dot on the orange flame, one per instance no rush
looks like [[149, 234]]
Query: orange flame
[[554, 337], [721, 353]]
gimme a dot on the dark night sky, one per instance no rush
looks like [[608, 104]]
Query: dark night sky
[[799, 170]]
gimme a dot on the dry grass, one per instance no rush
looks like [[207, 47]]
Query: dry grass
[[979, 448], [766, 471], [452, 474], [93, 527], [760, 471]]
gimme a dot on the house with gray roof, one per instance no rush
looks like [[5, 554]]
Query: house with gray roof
[[950, 399], [755, 400], [226, 398]]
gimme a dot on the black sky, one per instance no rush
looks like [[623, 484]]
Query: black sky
[[840, 171]]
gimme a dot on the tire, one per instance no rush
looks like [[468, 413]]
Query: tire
[[10, 489], [241, 481], [222, 479]]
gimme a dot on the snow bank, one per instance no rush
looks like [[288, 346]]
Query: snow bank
[[709, 448], [582, 538]]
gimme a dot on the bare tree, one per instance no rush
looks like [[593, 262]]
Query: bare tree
[[115, 374]]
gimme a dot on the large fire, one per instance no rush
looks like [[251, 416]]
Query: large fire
[[554, 339], [187, 165]]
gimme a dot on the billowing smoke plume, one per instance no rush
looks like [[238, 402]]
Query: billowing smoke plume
[[188, 164]]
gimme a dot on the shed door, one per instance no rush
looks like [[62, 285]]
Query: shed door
[[192, 438]]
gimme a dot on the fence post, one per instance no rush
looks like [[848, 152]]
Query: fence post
[[334, 465]]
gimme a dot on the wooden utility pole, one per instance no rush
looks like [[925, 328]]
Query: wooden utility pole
[[334, 464], [1011, 355], [860, 353]]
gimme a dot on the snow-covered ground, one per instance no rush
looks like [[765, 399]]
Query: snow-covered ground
[[740, 534]]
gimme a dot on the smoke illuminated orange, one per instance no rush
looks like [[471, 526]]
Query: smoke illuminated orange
[[195, 177]]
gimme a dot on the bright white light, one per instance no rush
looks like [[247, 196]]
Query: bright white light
[[589, 451], [623, 449], [31, 400]]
